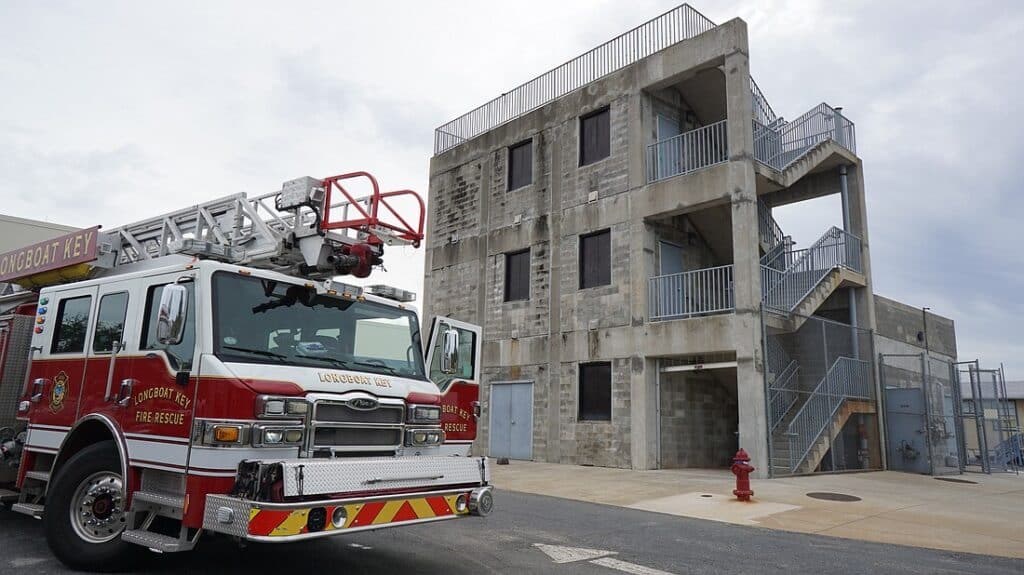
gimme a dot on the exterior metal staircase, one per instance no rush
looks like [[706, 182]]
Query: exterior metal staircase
[[794, 283], [803, 435]]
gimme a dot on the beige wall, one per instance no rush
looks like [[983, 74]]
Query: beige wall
[[20, 232]]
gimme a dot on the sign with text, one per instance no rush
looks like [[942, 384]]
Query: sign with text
[[67, 250]]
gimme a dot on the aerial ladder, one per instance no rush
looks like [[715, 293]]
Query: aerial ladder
[[313, 228]]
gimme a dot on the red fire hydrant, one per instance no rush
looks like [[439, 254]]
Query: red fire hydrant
[[742, 469]]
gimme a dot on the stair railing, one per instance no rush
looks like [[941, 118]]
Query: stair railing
[[848, 378], [779, 144], [767, 228], [783, 291], [782, 394]]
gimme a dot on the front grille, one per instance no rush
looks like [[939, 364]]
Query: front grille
[[342, 429], [341, 413], [356, 437]]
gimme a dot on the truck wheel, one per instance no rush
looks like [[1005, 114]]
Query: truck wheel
[[85, 513]]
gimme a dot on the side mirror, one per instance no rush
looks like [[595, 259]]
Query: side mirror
[[450, 352], [170, 326]]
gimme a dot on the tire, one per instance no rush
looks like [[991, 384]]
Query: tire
[[85, 515]]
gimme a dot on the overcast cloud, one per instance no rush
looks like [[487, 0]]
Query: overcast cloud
[[115, 111]]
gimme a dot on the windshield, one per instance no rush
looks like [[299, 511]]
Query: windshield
[[257, 320]]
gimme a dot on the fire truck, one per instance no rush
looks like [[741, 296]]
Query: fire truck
[[205, 371]]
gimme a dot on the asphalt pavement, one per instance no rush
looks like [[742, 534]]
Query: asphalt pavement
[[533, 534]]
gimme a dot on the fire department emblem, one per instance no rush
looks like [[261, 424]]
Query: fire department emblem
[[59, 392]]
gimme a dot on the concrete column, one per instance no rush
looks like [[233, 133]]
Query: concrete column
[[866, 296], [643, 415], [742, 185], [553, 415]]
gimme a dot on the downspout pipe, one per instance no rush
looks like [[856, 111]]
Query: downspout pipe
[[844, 193]]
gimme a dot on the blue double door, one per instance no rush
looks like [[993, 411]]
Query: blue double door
[[511, 420]]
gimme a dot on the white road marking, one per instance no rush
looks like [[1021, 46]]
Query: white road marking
[[560, 554], [358, 546], [633, 568]]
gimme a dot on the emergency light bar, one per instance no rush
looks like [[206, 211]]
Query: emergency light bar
[[391, 292]]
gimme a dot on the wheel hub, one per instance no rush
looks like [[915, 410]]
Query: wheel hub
[[97, 507]]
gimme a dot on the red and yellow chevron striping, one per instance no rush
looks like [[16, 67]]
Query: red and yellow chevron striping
[[290, 522]]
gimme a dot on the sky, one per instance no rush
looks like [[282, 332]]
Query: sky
[[111, 112]]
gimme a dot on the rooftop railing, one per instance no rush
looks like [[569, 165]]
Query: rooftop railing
[[676, 25]]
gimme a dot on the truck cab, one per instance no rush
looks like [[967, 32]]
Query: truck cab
[[243, 401]]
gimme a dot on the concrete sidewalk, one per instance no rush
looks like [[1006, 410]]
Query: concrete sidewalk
[[985, 517]]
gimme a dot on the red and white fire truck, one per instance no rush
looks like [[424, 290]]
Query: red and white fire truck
[[204, 371]]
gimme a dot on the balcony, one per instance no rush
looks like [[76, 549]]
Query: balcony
[[687, 152], [788, 278]]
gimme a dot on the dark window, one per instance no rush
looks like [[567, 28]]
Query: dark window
[[595, 259], [110, 321], [72, 319], [520, 165], [595, 137], [596, 391], [517, 275], [180, 354]]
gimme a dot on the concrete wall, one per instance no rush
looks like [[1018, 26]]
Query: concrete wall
[[899, 324]]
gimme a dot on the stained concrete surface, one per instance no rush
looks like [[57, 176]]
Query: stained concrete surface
[[899, 508]]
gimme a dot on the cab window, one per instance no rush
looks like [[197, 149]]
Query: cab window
[[179, 355], [110, 321], [72, 321]]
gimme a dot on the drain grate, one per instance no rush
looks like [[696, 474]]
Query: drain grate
[[955, 480], [705, 495], [829, 496]]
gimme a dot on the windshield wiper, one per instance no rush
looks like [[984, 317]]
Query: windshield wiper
[[334, 361], [262, 352], [377, 363]]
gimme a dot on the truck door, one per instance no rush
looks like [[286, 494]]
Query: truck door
[[63, 326], [156, 403], [458, 379], [111, 350]]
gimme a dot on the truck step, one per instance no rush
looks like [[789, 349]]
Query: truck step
[[30, 509], [166, 504], [43, 476], [8, 496], [156, 542]]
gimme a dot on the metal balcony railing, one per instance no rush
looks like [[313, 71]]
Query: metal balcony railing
[[848, 378], [676, 25], [693, 150], [687, 294], [778, 143], [784, 290]]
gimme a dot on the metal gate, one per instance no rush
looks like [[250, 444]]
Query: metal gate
[[991, 438], [511, 419]]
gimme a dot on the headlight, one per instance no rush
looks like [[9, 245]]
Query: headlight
[[281, 407], [424, 414], [274, 435], [425, 437]]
